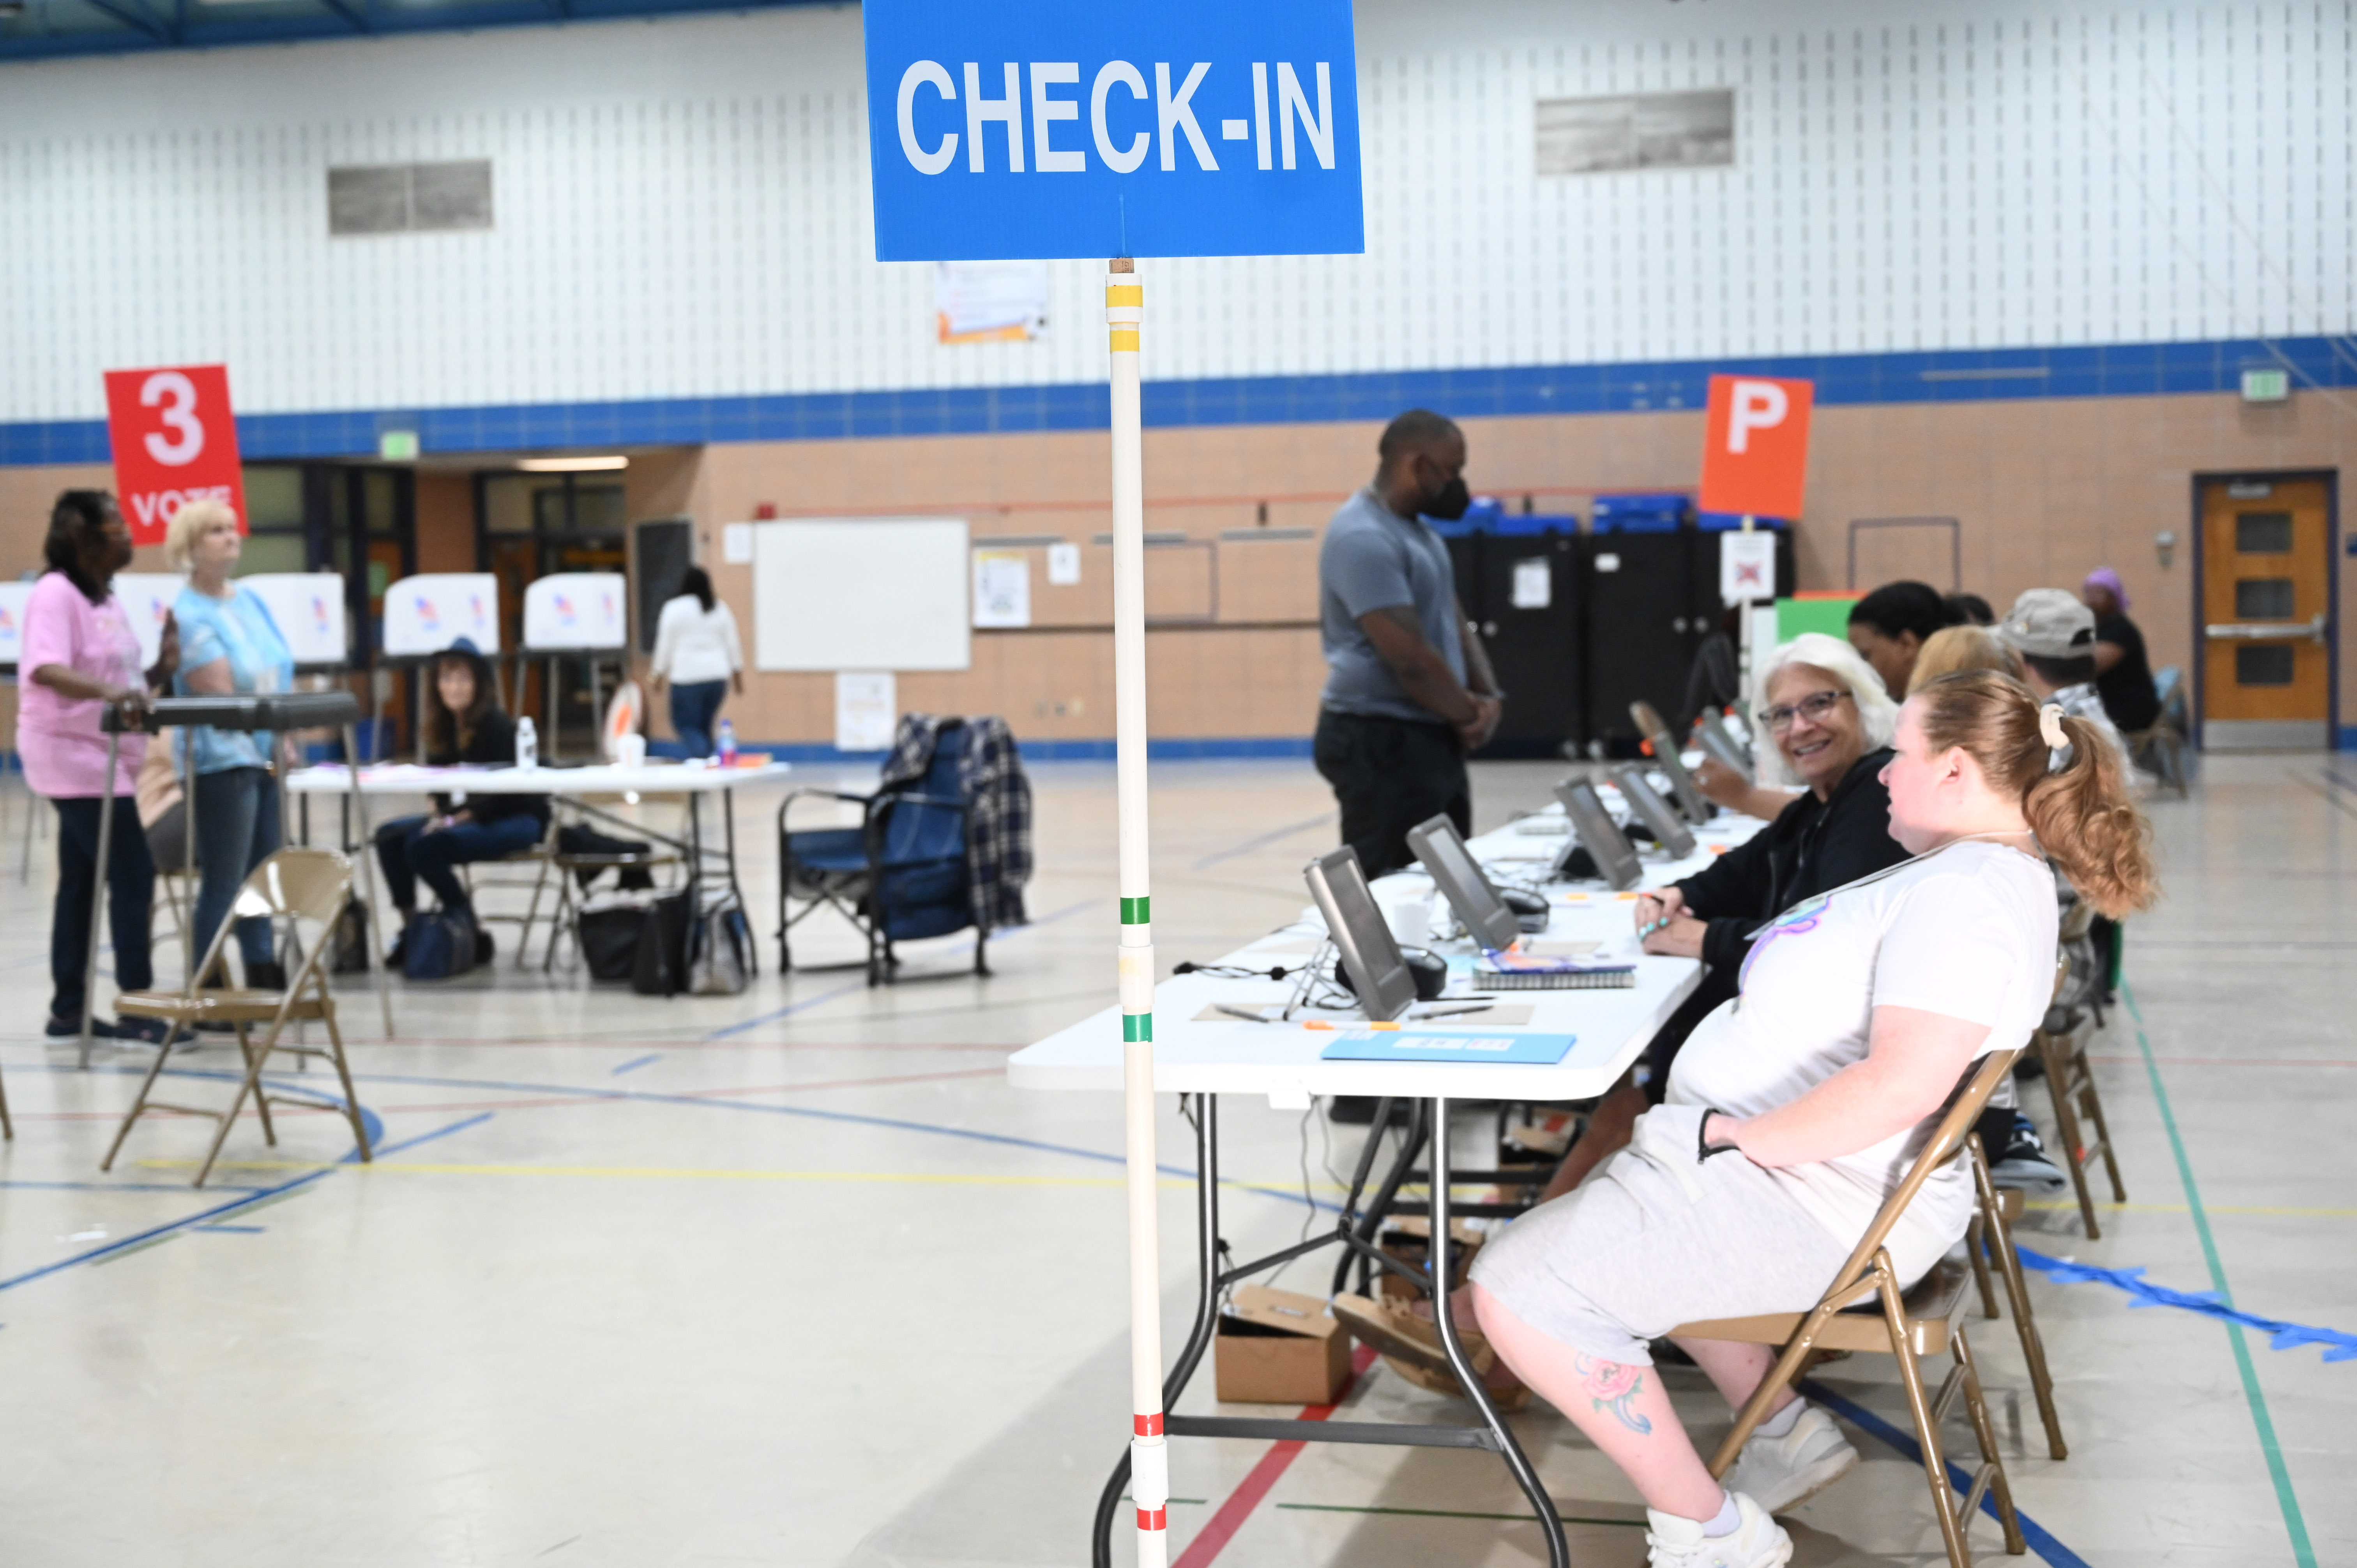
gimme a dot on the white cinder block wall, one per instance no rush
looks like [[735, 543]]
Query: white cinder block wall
[[683, 205]]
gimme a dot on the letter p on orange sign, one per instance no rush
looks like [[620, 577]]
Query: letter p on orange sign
[[1755, 457]]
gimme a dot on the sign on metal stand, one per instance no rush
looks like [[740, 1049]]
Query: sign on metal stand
[[1219, 128], [1755, 463]]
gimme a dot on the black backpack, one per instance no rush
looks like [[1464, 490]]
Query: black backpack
[[662, 947]]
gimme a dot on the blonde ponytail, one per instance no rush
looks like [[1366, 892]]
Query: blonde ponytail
[[2081, 814]]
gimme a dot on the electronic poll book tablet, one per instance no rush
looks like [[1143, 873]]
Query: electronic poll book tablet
[[1593, 827], [1458, 877], [1379, 974], [1647, 803], [1723, 748], [1691, 801]]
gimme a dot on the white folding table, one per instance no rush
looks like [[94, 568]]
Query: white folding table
[[1199, 1052]]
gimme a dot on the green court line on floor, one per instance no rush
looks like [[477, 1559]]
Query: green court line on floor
[[2303, 1551], [1453, 1513]]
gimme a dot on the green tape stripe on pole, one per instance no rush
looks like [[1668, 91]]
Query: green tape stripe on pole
[[1136, 1026], [1136, 912]]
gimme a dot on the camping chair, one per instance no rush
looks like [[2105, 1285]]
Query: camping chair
[[298, 885], [1866, 1310], [900, 875], [2160, 747]]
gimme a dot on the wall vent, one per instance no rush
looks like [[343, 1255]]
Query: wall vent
[[409, 198]]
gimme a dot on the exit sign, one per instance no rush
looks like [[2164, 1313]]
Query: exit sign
[[2266, 386]]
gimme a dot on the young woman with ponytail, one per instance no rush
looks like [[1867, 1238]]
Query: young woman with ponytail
[[1795, 1110]]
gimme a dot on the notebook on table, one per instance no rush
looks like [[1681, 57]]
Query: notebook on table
[[1439, 1045]]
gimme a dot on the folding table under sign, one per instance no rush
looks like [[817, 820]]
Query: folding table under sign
[[1049, 129], [575, 612]]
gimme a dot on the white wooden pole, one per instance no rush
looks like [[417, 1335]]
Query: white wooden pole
[[1149, 1459]]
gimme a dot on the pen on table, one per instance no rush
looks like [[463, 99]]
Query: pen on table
[[1456, 1010], [1249, 1014]]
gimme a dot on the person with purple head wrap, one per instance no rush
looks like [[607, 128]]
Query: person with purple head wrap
[[2123, 673]]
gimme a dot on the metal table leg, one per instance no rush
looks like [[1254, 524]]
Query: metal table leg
[[728, 822], [1526, 1476], [356, 810]]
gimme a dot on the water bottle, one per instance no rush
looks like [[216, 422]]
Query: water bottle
[[727, 744], [527, 744]]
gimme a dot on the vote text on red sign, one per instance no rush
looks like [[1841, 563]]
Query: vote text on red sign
[[174, 442], [1755, 454]]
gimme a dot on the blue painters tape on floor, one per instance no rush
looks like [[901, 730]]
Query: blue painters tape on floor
[[252, 1197], [2039, 1539], [633, 1065], [2339, 1347], [230, 1230]]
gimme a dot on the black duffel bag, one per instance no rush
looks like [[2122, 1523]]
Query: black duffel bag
[[608, 936], [660, 964]]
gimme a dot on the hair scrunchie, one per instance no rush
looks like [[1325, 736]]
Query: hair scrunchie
[[2049, 726]]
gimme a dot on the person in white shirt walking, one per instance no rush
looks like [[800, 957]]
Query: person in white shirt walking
[[698, 653]]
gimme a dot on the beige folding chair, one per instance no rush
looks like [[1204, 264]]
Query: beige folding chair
[[302, 886], [1910, 1325], [2061, 1047], [1991, 1237]]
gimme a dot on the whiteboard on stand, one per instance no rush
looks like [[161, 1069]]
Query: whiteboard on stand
[[147, 598], [308, 608], [575, 612], [428, 613], [14, 597], [833, 594]]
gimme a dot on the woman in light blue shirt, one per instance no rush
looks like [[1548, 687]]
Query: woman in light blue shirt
[[230, 647]]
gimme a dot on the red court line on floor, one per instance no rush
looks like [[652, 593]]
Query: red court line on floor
[[1213, 1538]]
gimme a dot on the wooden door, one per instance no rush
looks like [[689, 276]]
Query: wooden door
[[2266, 560]]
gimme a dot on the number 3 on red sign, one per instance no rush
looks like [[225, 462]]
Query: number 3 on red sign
[[177, 396]]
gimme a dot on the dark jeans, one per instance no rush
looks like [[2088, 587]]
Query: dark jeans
[[693, 707], [1389, 775], [130, 893], [237, 830], [409, 854]]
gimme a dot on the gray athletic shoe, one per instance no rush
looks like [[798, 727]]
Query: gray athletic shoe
[[2023, 1162], [1757, 1541], [1779, 1472]]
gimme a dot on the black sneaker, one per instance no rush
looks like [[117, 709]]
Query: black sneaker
[[100, 1028], [2021, 1162]]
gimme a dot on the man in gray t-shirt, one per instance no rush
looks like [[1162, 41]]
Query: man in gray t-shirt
[[1408, 688]]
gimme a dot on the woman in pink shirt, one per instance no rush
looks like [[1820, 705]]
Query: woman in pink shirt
[[79, 656]]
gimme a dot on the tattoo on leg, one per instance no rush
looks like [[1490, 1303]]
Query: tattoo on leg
[[1613, 1386]]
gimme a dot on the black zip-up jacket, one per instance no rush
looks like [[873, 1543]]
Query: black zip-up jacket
[[1812, 846], [494, 744]]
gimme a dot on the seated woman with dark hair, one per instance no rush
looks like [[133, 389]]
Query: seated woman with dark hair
[[1890, 627], [463, 724]]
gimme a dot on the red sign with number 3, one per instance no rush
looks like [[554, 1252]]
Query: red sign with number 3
[[174, 442]]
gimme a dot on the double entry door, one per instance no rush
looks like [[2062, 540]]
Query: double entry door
[[2266, 613]]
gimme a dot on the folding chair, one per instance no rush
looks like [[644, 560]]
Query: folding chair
[[565, 865], [538, 857], [2160, 747], [295, 884], [900, 876], [1907, 1325], [1991, 1237], [2062, 1045]]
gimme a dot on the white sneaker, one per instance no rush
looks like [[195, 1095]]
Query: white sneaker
[[1779, 1472], [1757, 1541]]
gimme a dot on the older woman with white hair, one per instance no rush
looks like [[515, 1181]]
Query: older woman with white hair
[[230, 646], [1830, 721]]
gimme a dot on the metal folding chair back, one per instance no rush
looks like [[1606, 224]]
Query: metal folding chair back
[[302, 886], [1910, 1325]]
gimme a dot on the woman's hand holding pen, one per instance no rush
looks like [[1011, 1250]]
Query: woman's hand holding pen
[[1665, 928]]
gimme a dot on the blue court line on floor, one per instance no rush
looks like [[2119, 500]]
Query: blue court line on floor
[[2040, 1540], [158, 1232], [638, 1062], [1263, 842], [792, 1008], [2281, 1335], [2287, 1500], [114, 1186], [233, 1229]]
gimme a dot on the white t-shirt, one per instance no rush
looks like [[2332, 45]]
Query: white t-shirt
[[1967, 931], [693, 645]]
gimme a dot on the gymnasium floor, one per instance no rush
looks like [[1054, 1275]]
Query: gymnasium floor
[[793, 1277]]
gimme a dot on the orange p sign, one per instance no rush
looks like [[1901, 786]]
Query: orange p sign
[[1755, 457]]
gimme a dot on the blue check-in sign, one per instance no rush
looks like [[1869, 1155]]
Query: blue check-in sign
[[1006, 130]]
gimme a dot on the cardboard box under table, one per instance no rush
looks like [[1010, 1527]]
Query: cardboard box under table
[[1280, 1348]]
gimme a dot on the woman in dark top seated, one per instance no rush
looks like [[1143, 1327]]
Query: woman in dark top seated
[[2122, 674], [1830, 721], [463, 724]]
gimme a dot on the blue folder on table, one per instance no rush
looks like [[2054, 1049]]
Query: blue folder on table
[[1446, 1046]]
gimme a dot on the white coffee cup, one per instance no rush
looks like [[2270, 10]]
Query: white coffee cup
[[629, 750], [1410, 918]]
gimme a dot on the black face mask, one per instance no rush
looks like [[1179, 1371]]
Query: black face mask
[[1450, 503]]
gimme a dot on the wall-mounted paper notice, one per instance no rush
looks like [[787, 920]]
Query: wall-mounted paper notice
[[1534, 584], [1063, 565], [866, 709], [737, 543], [1002, 589]]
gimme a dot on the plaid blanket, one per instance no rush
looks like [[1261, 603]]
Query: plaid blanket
[[990, 775]]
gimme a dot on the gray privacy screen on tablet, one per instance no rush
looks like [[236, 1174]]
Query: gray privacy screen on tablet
[[1719, 742], [1647, 803], [1378, 973], [1598, 834], [1458, 877]]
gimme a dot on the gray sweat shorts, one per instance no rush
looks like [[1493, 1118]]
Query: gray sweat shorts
[[1654, 1238]]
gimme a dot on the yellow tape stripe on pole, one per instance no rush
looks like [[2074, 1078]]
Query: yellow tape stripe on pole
[[1149, 1462]]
